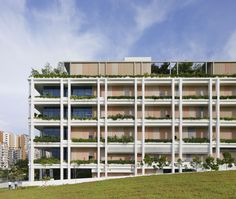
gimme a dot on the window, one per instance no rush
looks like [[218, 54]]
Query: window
[[91, 156], [82, 112], [51, 131], [51, 91], [82, 91], [191, 132], [51, 112]]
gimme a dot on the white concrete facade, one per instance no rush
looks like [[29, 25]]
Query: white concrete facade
[[175, 149]]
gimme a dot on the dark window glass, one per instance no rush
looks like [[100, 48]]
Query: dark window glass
[[51, 112], [83, 112], [51, 131], [82, 91], [51, 91], [52, 152]]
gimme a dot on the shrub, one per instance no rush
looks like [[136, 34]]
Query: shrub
[[83, 118], [120, 161], [119, 116], [79, 162], [120, 97], [158, 140], [211, 164], [196, 140], [44, 117], [84, 140], [74, 97], [47, 139], [123, 139], [45, 160], [228, 140]]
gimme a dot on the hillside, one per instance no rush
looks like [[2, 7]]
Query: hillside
[[192, 185]]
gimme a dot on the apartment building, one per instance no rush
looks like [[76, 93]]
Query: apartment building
[[104, 117], [14, 147], [3, 156]]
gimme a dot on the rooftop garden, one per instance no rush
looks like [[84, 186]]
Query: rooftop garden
[[186, 69]]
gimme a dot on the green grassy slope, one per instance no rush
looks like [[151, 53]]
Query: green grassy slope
[[193, 185]]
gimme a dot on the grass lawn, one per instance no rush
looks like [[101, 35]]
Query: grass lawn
[[192, 185]]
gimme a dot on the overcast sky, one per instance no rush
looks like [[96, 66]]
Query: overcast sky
[[34, 32]]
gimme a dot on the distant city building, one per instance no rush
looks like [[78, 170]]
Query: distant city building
[[3, 156], [13, 147]]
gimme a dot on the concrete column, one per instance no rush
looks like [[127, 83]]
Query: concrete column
[[69, 129], [61, 128], [106, 149], [98, 128], [173, 125], [218, 118], [135, 128], [31, 129], [51, 173], [180, 120], [210, 115], [143, 123], [40, 174], [206, 68]]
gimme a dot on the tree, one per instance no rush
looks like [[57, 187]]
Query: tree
[[180, 163], [160, 69], [157, 163], [228, 159], [34, 72], [47, 70], [211, 164], [196, 163], [60, 69]]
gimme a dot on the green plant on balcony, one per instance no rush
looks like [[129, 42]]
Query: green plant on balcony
[[228, 140], [83, 118], [45, 117], [195, 118], [120, 117], [122, 139], [158, 140], [45, 160], [228, 97], [75, 97], [157, 118], [47, 96], [228, 118], [196, 140], [195, 97], [84, 139], [120, 161], [120, 97], [79, 162], [156, 97], [47, 139]]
